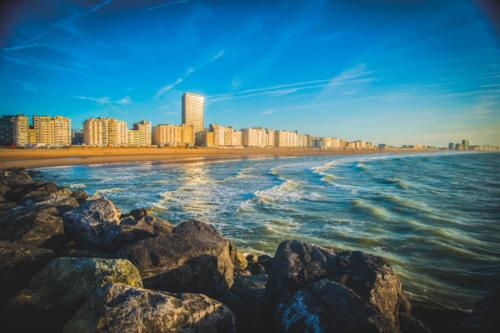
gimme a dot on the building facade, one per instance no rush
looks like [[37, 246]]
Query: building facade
[[105, 132], [173, 135], [254, 137], [193, 110], [52, 130], [142, 134]]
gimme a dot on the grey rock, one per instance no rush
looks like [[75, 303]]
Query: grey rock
[[61, 288], [327, 306], [194, 257], [35, 226], [94, 224], [486, 314], [118, 308], [18, 263], [296, 264]]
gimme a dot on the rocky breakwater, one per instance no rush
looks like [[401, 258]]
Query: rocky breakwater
[[74, 263]]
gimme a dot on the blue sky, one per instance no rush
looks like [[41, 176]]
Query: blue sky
[[396, 72]]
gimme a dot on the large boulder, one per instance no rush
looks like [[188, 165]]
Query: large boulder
[[239, 260], [119, 308], [61, 198], [297, 264], [139, 224], [23, 191], [14, 176], [194, 257], [247, 300], [486, 314], [61, 288], [18, 263], [327, 306], [35, 226], [94, 224]]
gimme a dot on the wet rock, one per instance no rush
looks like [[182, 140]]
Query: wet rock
[[14, 176], [194, 257], [35, 226], [5, 207], [256, 269], [296, 264], [438, 319], [4, 189], [139, 224], [118, 308], [265, 261], [34, 188], [57, 292], [80, 195], [239, 260], [247, 300], [252, 258], [83, 253], [327, 306], [486, 314], [18, 263], [409, 324], [94, 224]]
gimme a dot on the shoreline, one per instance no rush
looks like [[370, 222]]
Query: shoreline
[[39, 158]]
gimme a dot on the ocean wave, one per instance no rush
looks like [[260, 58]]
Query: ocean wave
[[372, 210], [398, 182], [320, 170], [109, 190], [361, 166], [77, 186]]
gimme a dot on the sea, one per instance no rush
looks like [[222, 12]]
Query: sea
[[435, 217]]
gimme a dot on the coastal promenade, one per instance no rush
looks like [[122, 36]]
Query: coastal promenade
[[34, 158]]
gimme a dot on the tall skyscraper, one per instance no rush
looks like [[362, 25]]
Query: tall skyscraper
[[193, 109]]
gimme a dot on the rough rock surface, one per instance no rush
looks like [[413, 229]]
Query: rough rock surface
[[139, 224], [35, 226], [118, 308], [486, 314], [296, 264], [194, 257], [327, 306], [95, 224], [57, 291], [239, 260], [18, 263]]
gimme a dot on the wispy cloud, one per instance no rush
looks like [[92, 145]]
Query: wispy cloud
[[167, 4], [268, 112], [106, 100], [358, 74], [28, 87], [187, 73], [65, 23]]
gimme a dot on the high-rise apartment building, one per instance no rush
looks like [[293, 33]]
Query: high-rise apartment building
[[105, 132], [7, 130], [193, 109], [254, 137], [284, 139], [173, 135], [141, 134], [21, 130], [52, 130]]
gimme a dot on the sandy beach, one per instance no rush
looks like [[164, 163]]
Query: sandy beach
[[35, 158]]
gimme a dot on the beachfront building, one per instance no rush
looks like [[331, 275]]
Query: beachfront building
[[286, 139], [237, 137], [254, 137], [140, 134], [270, 137], [205, 138], [14, 130], [329, 143], [105, 132], [52, 130], [173, 135], [193, 109]]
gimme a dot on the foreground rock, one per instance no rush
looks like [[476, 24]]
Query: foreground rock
[[119, 308], [194, 257], [94, 224], [486, 314], [34, 226], [326, 306], [55, 293], [18, 263], [297, 264]]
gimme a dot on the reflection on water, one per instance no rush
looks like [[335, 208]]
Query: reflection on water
[[434, 217]]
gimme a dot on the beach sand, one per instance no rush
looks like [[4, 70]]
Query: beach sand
[[34, 158]]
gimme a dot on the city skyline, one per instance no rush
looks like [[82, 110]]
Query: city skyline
[[265, 65]]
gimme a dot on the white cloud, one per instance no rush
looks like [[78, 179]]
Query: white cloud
[[106, 100], [187, 73], [170, 3], [124, 101]]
